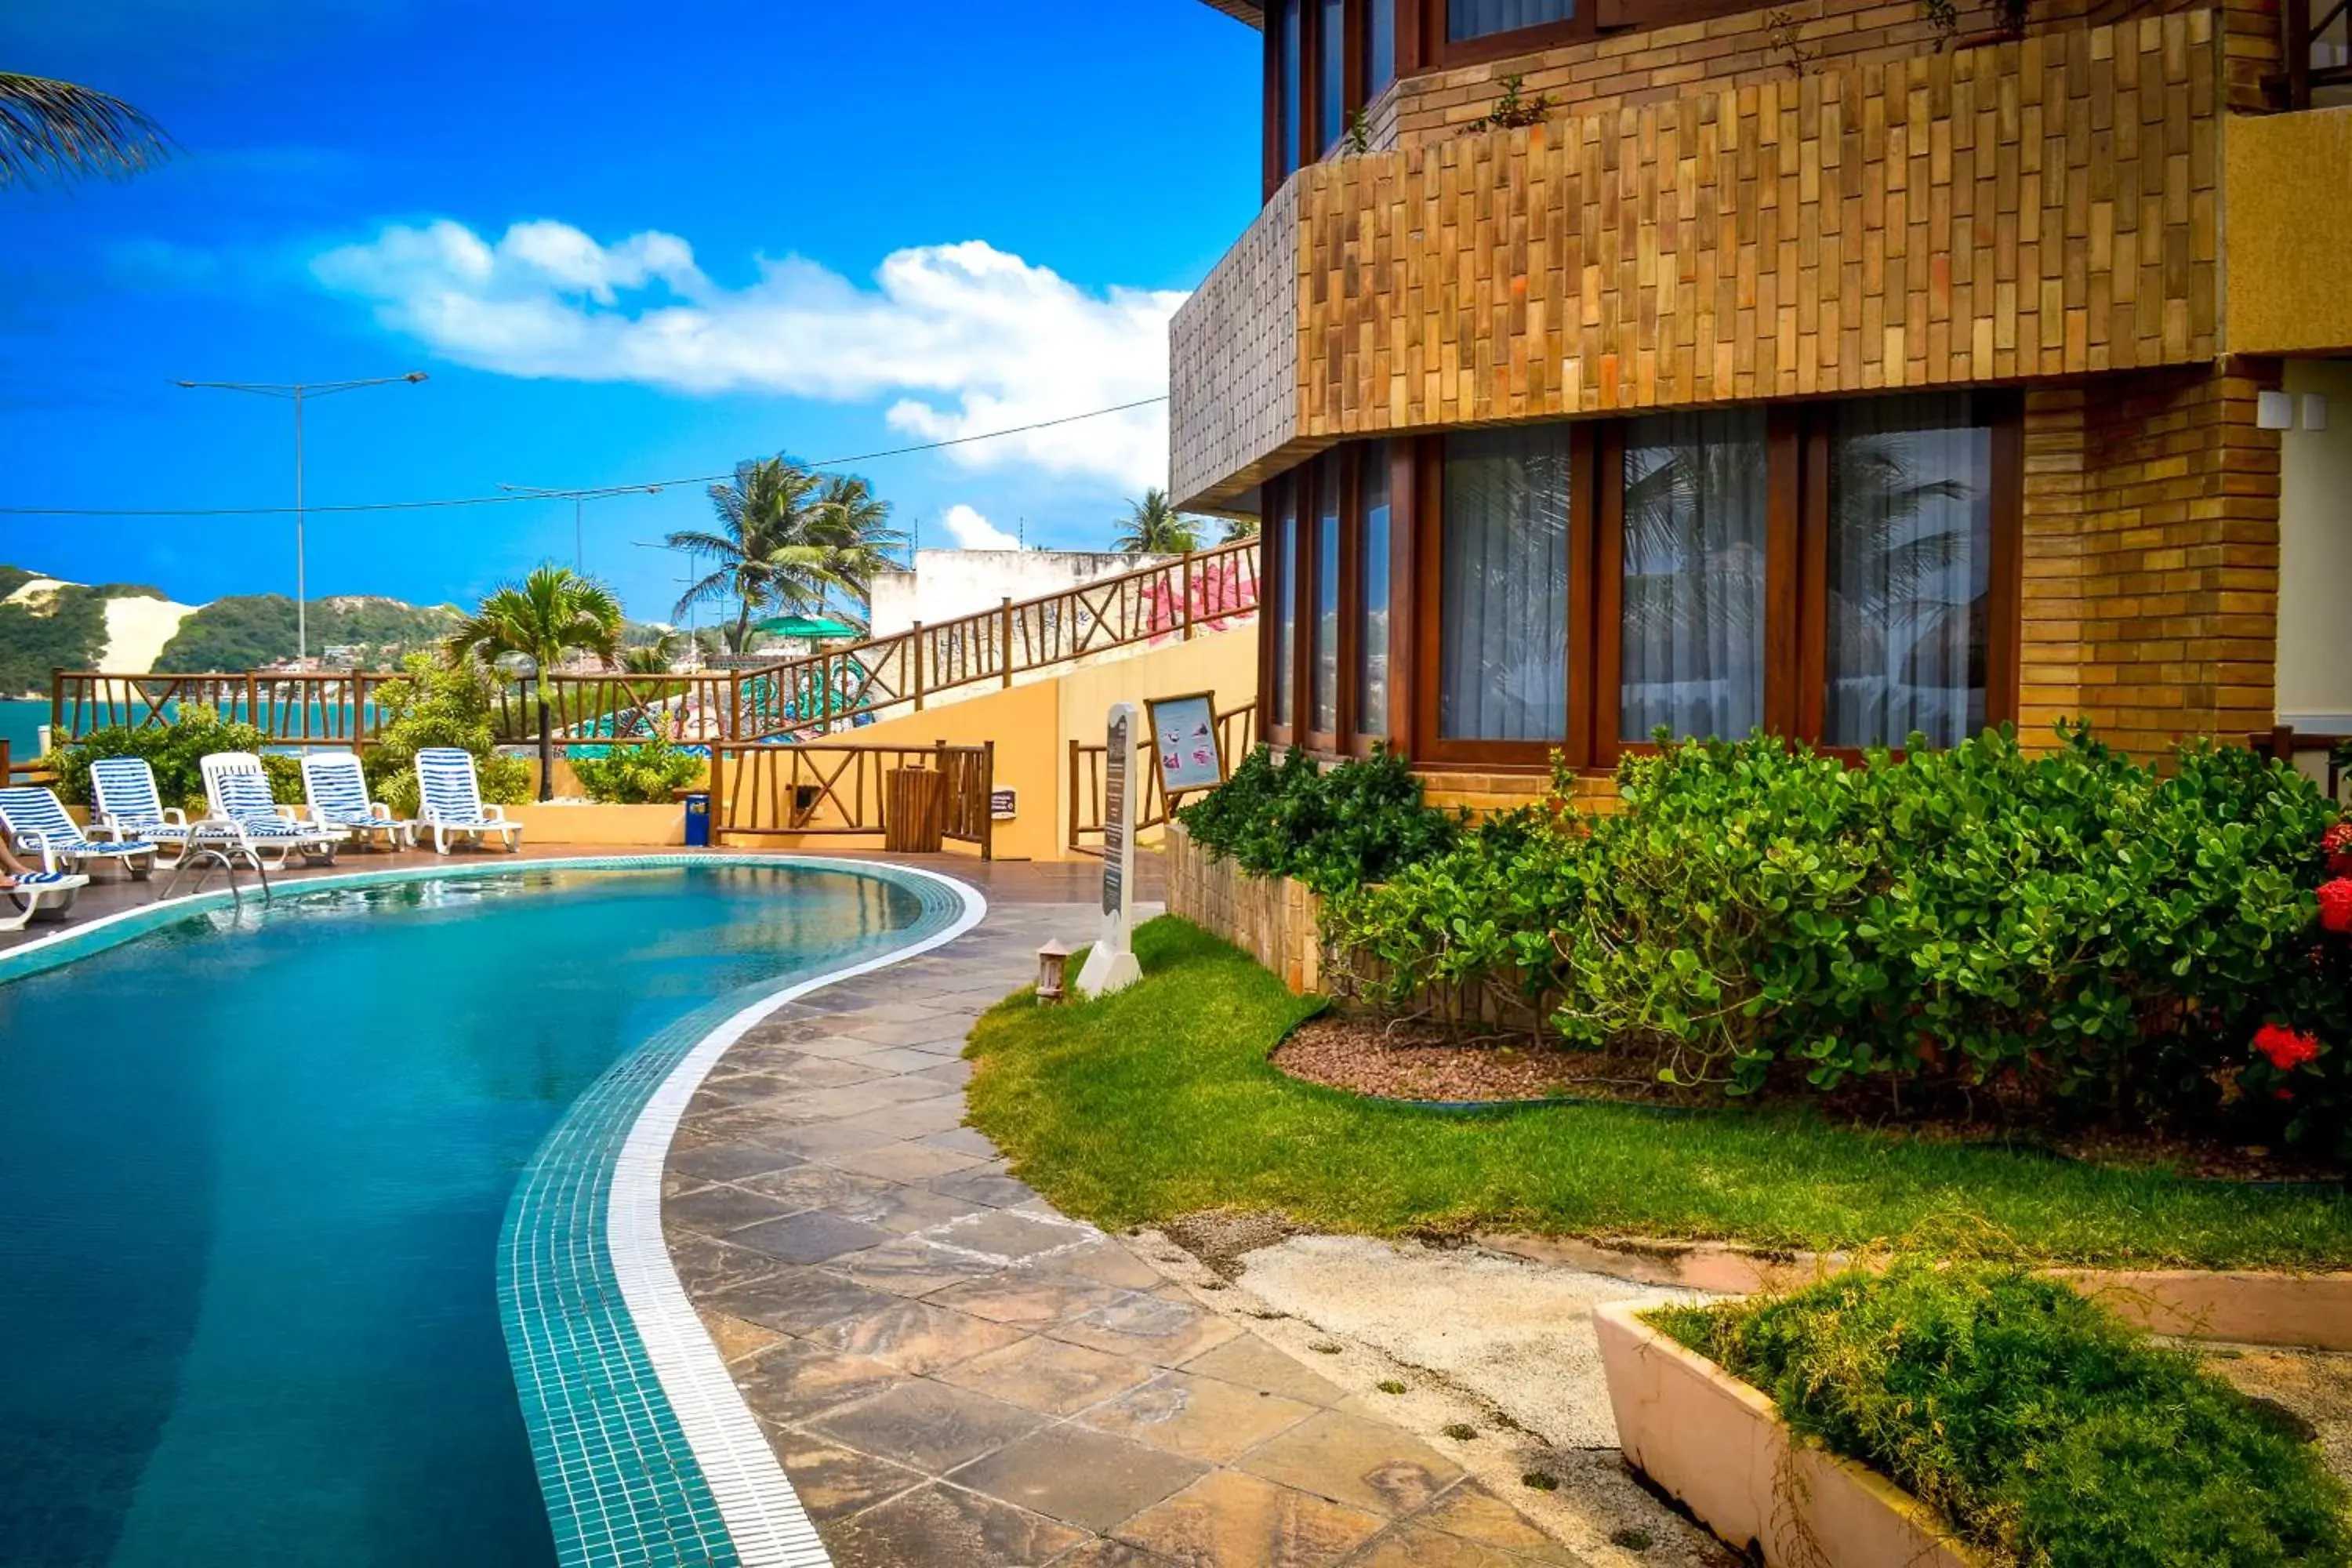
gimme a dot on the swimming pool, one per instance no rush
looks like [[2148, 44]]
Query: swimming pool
[[257, 1166]]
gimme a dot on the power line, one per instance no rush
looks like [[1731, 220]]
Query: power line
[[559, 495]]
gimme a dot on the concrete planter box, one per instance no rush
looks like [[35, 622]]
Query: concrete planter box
[[655, 826], [1720, 1447]]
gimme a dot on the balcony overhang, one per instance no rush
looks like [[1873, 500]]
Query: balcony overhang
[[2287, 260], [1247, 11]]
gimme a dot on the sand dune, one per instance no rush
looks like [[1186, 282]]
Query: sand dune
[[136, 629]]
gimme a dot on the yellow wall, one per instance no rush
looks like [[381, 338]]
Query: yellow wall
[[2288, 246], [1033, 725], [639, 824]]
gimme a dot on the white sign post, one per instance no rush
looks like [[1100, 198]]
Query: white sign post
[[1111, 965]]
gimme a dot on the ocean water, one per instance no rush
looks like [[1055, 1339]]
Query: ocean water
[[256, 1166], [20, 726]]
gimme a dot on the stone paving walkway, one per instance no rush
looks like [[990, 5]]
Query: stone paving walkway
[[953, 1373]]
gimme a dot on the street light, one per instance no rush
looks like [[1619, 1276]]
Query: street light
[[295, 392], [579, 501]]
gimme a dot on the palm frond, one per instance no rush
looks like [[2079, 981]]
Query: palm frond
[[56, 131]]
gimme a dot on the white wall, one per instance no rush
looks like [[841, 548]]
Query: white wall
[[946, 584], [2315, 615]]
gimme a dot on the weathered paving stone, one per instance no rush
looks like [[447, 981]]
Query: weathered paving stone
[[1048, 1376], [710, 1268], [1470, 1510], [1254, 1363], [730, 1162], [832, 1482], [738, 1340], [1168, 1333], [798, 1381], [984, 1185], [1108, 1553], [797, 1301], [1023, 1297], [946, 1525], [1229, 1520], [912, 1265], [899, 1161], [1009, 1237], [720, 1210], [915, 1336], [1352, 1459], [1200, 1416], [928, 1425], [809, 1237], [1091, 1479]]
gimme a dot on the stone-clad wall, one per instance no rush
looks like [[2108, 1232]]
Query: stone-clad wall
[[1274, 920], [2037, 209], [1232, 361]]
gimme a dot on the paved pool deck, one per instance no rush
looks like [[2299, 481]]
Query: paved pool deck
[[952, 1373]]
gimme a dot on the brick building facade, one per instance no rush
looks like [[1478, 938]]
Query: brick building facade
[[1814, 369]]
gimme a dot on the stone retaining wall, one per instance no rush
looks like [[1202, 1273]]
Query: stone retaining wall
[[1274, 920]]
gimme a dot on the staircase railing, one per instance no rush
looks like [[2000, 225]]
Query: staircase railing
[[1089, 791], [2318, 47]]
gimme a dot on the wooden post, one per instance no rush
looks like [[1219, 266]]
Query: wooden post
[[1188, 596], [57, 704], [2296, 22], [915, 652], [717, 788], [987, 799], [2283, 743], [1005, 637]]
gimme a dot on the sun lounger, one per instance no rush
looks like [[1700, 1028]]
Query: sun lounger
[[449, 800], [125, 804], [238, 791], [336, 787], [33, 892], [38, 824]]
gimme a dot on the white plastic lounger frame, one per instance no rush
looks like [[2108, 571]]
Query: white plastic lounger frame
[[125, 803], [245, 814], [38, 824], [449, 801], [336, 787], [36, 891]]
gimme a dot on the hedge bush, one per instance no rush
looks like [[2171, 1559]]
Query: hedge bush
[[437, 704], [2070, 927], [175, 753], [2043, 1430], [642, 774], [1356, 823]]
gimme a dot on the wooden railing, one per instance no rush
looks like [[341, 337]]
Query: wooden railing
[[796, 700], [336, 708], [2318, 45], [826, 692], [835, 788], [1236, 733]]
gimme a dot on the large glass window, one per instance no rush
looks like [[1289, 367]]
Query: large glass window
[[1503, 613], [1372, 604], [1288, 64], [1286, 618], [1910, 566], [1467, 19], [1693, 630], [1331, 72], [1325, 720], [1380, 45]]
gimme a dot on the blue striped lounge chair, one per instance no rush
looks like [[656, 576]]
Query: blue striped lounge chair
[[38, 824], [245, 818], [33, 892], [125, 803], [449, 801], [336, 787]]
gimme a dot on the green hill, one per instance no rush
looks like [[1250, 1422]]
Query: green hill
[[249, 630], [67, 629]]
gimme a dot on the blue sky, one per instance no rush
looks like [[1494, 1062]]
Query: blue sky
[[627, 243]]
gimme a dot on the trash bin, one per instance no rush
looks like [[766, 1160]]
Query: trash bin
[[698, 818]]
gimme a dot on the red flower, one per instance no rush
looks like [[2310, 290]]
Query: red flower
[[2286, 1048], [2337, 839], [2336, 904]]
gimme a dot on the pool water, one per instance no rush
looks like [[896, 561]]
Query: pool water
[[255, 1167]]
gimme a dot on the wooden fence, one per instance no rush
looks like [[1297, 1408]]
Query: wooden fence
[[1236, 733], [835, 788], [794, 700]]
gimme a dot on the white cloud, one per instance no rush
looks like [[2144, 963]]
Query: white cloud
[[966, 338], [973, 532]]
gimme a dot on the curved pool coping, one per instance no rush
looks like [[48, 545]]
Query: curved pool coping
[[764, 1522]]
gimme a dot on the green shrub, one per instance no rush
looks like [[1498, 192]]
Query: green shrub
[[2072, 927], [436, 704], [641, 774], [2041, 1429], [1356, 823], [175, 753]]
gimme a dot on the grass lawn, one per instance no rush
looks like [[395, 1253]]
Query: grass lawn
[[1160, 1101]]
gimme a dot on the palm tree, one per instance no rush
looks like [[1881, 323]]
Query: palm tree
[[856, 524], [1238, 529], [1154, 527], [57, 130], [761, 545], [654, 654], [552, 613]]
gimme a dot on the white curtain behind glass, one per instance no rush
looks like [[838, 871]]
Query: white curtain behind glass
[[1372, 614], [1286, 619], [1325, 696], [1692, 656], [1909, 563], [1503, 612]]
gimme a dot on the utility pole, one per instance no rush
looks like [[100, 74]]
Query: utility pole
[[295, 392]]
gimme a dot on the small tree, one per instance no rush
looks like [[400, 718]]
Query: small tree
[[554, 611]]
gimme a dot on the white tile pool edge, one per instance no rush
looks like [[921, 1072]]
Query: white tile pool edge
[[762, 1514]]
